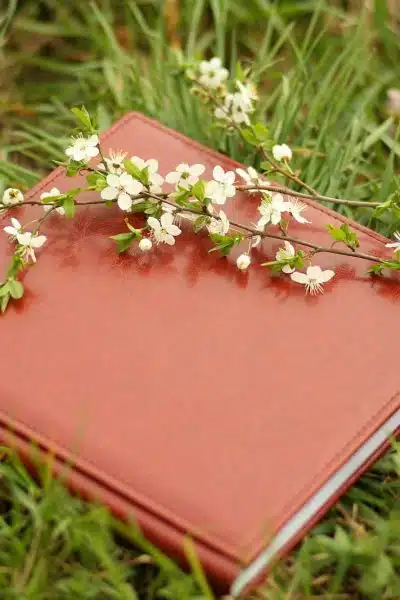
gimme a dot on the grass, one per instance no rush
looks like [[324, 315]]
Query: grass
[[323, 70]]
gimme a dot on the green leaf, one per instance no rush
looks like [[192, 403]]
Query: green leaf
[[240, 74], [261, 132], [96, 181], [4, 289], [199, 190], [250, 136], [345, 235], [69, 207], [74, 167], [225, 243], [200, 222], [82, 116], [16, 289], [197, 570], [4, 302], [133, 170], [123, 241]]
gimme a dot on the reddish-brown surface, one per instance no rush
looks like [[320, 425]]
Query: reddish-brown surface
[[206, 399]]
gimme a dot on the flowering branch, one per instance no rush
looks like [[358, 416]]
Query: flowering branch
[[135, 186]]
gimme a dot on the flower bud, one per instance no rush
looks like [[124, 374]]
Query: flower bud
[[145, 244], [12, 196], [281, 152], [243, 261]]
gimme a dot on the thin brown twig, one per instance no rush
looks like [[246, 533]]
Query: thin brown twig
[[263, 234], [289, 192]]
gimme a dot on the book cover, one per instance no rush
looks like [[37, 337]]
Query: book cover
[[205, 401]]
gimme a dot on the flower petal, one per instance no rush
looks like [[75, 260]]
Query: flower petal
[[172, 177], [300, 277], [15, 223], [113, 180], [169, 239], [92, 151], [174, 230], [124, 201], [314, 272], [10, 230], [154, 223], [287, 269], [326, 275], [197, 169], [38, 241], [109, 193], [218, 173], [93, 140], [166, 220]]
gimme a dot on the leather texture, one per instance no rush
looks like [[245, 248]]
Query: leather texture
[[199, 398]]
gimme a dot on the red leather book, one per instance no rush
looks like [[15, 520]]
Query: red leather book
[[198, 398]]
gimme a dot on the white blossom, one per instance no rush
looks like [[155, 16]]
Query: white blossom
[[271, 209], [27, 240], [220, 225], [164, 230], [53, 192], [296, 208], [184, 175], [222, 186], [251, 177], [121, 187], [14, 229], [248, 93], [236, 108], [12, 196], [395, 245], [286, 253], [114, 162], [30, 243], [212, 73], [145, 244], [155, 179], [281, 152], [243, 262], [313, 279], [83, 149]]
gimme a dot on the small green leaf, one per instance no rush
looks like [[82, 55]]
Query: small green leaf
[[133, 170], [240, 74], [345, 235], [16, 289], [250, 136], [69, 207], [224, 243], [82, 116], [74, 167], [261, 132], [4, 289], [200, 222], [96, 181], [4, 302], [199, 190], [124, 241]]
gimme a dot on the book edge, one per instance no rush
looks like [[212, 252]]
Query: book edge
[[318, 502]]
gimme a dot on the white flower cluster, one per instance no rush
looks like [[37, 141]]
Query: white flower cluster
[[212, 73], [238, 106], [11, 197], [273, 206], [233, 106], [28, 242], [54, 192], [83, 149]]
